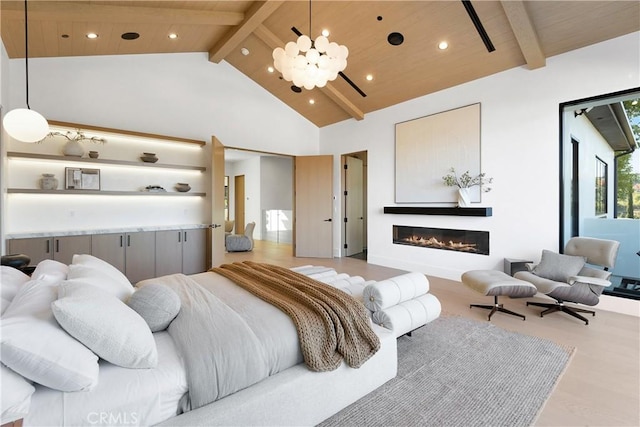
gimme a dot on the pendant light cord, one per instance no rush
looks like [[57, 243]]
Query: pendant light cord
[[26, 52], [309, 20]]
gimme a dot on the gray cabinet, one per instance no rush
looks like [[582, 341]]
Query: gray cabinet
[[181, 251], [60, 248], [110, 248], [140, 256], [131, 253]]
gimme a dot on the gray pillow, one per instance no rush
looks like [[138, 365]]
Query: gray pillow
[[106, 325], [157, 304], [558, 267]]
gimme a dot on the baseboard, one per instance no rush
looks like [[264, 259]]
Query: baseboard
[[619, 305]]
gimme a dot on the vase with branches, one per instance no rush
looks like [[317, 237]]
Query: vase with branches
[[74, 146], [464, 182]]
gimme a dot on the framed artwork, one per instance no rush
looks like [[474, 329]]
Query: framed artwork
[[82, 179], [428, 147]]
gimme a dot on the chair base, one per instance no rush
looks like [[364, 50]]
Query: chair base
[[496, 307], [559, 306]]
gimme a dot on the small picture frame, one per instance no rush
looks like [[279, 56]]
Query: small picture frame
[[82, 179]]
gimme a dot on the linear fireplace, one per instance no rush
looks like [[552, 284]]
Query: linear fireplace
[[475, 242]]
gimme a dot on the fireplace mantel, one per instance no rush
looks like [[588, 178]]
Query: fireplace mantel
[[450, 211]]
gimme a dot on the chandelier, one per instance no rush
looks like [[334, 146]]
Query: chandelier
[[309, 63]]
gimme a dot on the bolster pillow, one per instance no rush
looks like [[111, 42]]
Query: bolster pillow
[[408, 315], [393, 291]]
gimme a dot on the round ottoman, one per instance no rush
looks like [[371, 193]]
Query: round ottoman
[[496, 283]]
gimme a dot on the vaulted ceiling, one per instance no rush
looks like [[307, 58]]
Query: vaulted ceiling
[[522, 34]]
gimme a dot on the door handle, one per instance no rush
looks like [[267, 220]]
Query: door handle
[[214, 225], [185, 237], [128, 240], [179, 236], [57, 245], [328, 220]]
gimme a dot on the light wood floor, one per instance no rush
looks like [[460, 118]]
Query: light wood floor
[[601, 386]]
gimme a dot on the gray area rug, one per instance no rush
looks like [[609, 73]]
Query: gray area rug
[[460, 372]]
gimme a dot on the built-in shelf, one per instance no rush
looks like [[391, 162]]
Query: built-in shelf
[[17, 155], [450, 211], [104, 193]]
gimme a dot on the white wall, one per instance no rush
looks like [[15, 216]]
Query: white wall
[[170, 94], [520, 150]]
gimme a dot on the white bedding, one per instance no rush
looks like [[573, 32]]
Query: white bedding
[[149, 397], [132, 397]]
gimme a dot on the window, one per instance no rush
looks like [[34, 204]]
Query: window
[[601, 186]]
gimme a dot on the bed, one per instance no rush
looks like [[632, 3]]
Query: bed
[[144, 379]]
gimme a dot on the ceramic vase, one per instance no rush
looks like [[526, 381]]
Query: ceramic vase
[[48, 182], [464, 199], [73, 148]]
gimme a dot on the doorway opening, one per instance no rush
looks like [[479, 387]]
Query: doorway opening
[[354, 206], [261, 191], [600, 179]]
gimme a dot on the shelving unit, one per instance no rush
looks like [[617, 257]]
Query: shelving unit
[[104, 193], [122, 177], [66, 159]]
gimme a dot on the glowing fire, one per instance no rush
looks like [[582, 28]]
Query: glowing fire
[[432, 242]]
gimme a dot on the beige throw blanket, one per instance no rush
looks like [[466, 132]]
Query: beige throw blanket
[[331, 324]]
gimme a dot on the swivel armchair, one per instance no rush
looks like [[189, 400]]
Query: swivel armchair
[[240, 242], [568, 278]]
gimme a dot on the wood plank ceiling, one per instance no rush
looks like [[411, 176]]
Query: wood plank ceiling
[[523, 33]]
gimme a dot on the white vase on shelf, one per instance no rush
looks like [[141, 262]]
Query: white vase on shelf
[[73, 148], [464, 199]]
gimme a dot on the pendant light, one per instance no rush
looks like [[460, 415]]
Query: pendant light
[[24, 124], [309, 63]]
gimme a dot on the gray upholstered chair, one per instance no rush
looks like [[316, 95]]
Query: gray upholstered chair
[[579, 275], [240, 242]]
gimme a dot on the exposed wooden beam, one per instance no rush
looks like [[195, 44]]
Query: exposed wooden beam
[[76, 11], [525, 33], [254, 17], [273, 41], [342, 101]]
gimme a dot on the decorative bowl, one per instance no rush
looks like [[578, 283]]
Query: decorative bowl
[[182, 187], [93, 154], [149, 159]]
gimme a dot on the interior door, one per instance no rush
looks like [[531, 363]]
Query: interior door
[[314, 206], [217, 201], [238, 185], [354, 217]]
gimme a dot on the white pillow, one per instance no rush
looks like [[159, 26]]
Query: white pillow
[[50, 271], [34, 345], [106, 325], [96, 272], [15, 396], [10, 281], [157, 304]]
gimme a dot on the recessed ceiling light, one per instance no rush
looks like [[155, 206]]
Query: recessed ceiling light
[[443, 45], [173, 36], [244, 51], [325, 32], [92, 36], [270, 69], [130, 36], [312, 101], [369, 77]]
